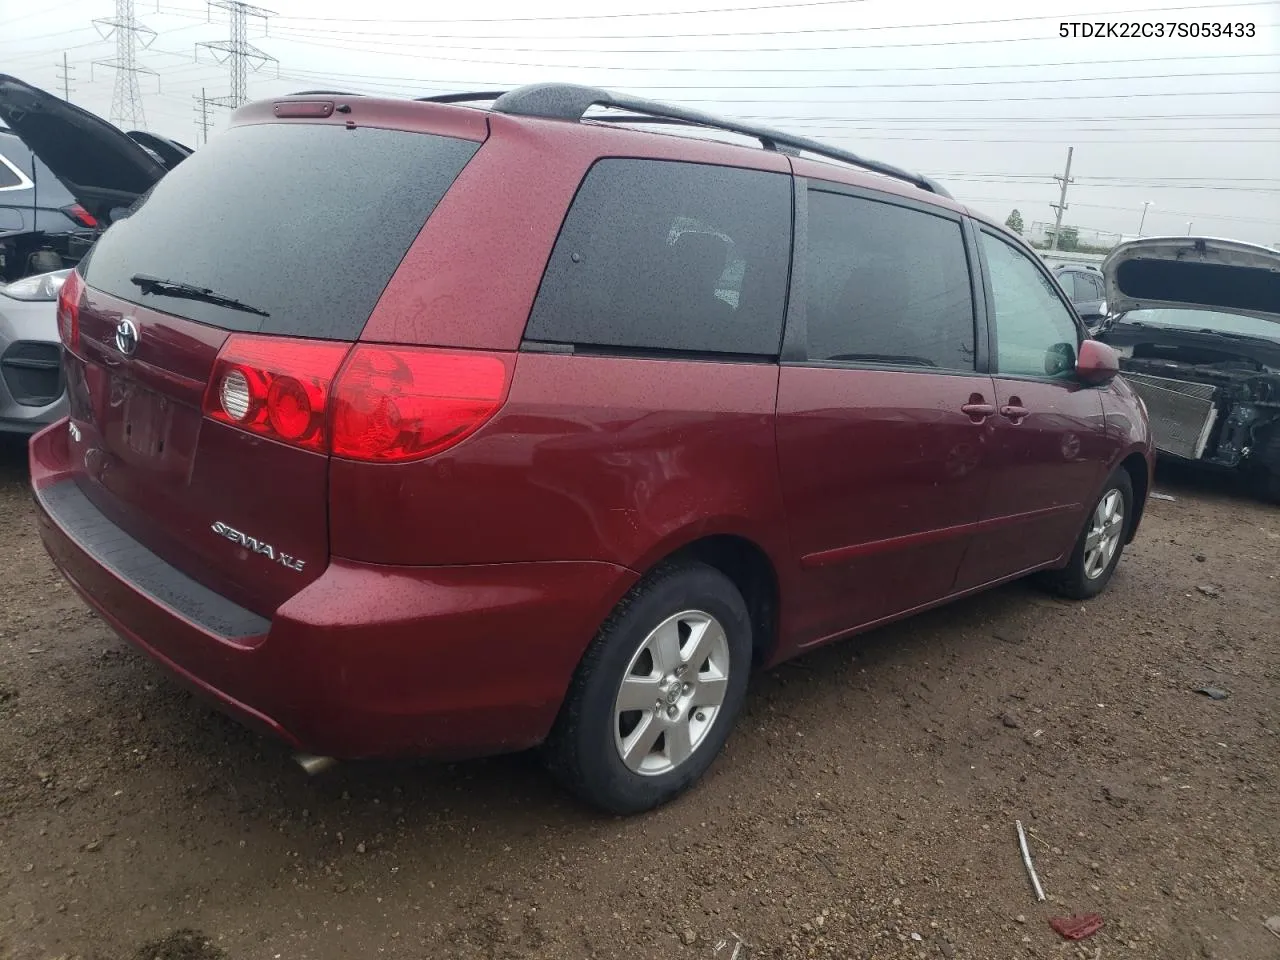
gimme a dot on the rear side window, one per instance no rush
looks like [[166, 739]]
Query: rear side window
[[1086, 287], [886, 284], [9, 176], [663, 255], [304, 222]]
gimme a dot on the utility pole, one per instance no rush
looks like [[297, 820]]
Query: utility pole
[[126, 100], [202, 108], [65, 77], [1061, 205], [238, 52], [1143, 220]]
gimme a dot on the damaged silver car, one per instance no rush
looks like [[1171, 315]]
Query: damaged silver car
[[1197, 324]]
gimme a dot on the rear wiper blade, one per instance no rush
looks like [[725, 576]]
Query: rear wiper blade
[[189, 291]]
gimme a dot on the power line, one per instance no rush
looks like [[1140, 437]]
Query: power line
[[126, 98], [345, 31], [972, 201], [1084, 181], [863, 86], [672, 13], [1045, 181], [420, 47], [577, 16]]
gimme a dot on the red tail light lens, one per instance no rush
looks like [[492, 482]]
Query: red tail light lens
[[396, 404], [69, 297], [275, 387], [80, 215]]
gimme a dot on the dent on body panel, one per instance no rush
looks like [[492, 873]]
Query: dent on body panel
[[644, 451], [591, 458], [1120, 407]]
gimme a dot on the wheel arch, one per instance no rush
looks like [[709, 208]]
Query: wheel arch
[[1135, 464], [751, 570]]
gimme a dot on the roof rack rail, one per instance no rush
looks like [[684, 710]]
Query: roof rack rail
[[329, 93], [672, 121], [463, 97], [567, 101]]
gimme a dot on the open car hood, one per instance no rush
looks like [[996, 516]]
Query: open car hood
[[1193, 273], [101, 165]]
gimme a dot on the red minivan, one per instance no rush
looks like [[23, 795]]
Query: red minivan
[[408, 428]]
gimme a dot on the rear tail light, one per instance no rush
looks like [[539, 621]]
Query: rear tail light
[[80, 215], [275, 387], [394, 404], [69, 297], [386, 405]]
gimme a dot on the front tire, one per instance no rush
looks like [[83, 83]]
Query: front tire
[[1098, 549], [657, 692]]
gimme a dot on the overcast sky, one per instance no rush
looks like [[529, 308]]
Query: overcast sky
[[984, 95]]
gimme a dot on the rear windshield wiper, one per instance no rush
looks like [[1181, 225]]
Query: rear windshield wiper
[[189, 291]]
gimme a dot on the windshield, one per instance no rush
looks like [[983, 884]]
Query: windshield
[[1233, 323]]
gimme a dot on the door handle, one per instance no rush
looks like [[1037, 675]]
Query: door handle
[[1014, 412], [977, 409]]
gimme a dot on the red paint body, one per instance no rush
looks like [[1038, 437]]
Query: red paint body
[[443, 604]]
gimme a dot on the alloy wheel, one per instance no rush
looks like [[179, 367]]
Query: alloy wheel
[[1105, 530], [671, 692]]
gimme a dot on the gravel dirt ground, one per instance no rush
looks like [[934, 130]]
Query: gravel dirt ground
[[865, 806]]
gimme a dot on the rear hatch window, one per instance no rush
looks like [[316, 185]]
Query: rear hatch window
[[303, 223]]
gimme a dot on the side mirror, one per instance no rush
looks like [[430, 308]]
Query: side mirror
[[1097, 364]]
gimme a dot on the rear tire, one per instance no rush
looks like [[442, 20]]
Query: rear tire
[[1269, 484], [1101, 541], [656, 694]]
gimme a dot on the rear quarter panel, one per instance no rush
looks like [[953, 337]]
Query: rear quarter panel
[[592, 458]]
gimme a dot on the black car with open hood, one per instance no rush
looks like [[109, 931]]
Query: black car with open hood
[[1197, 323], [103, 168]]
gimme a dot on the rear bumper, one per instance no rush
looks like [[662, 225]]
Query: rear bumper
[[368, 660]]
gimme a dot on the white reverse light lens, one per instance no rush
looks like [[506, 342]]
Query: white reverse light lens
[[234, 393]]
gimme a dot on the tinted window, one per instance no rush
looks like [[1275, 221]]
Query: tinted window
[[886, 284], [1035, 332], [1086, 287], [661, 255], [304, 221], [7, 177]]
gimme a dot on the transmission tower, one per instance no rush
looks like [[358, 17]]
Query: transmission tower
[[238, 52], [65, 70], [126, 100], [203, 102]]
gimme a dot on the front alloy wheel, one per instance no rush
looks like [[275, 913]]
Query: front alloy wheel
[[1100, 543], [1102, 539]]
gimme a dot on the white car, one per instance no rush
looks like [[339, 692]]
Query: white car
[[1196, 321], [31, 385]]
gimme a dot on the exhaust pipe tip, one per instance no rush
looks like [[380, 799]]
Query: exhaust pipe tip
[[312, 764]]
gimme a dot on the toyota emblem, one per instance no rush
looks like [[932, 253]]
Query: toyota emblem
[[126, 337]]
